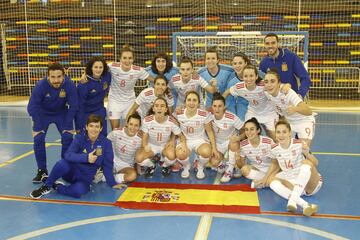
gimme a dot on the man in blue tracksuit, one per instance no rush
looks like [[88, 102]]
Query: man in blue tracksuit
[[88, 152], [287, 63], [53, 100], [91, 93]]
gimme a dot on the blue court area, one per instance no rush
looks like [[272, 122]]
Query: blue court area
[[336, 144]]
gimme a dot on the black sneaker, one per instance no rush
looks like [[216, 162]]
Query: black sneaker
[[165, 171], [149, 173], [41, 176], [156, 158], [38, 193]]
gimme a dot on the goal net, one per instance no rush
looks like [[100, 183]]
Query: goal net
[[194, 45]]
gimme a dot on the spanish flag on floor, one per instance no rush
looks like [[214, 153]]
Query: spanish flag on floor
[[190, 198]]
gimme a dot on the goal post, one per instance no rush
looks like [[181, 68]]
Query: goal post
[[194, 44]]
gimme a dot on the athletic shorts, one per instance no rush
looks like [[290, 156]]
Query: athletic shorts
[[117, 110]]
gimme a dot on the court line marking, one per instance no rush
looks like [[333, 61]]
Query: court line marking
[[12, 160], [337, 154], [278, 223], [205, 222], [109, 204]]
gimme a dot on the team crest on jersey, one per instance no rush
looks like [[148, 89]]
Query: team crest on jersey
[[284, 67], [62, 93], [47, 95], [131, 76], [197, 123], [167, 129], [282, 101], [105, 86], [263, 151], [84, 151], [293, 152], [110, 113], [225, 125], [93, 91]]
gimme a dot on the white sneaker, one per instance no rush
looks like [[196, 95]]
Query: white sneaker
[[221, 168], [226, 177], [310, 210], [98, 176], [237, 173], [291, 206], [200, 173], [186, 172], [254, 185]]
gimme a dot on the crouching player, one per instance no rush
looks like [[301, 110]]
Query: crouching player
[[224, 124], [125, 142], [158, 138], [255, 153], [88, 152]]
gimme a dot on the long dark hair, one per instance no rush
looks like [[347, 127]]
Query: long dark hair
[[90, 63], [151, 111], [163, 55], [255, 122]]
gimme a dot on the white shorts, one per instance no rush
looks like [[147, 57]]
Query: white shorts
[[120, 165], [223, 147], [268, 120], [292, 180], [257, 174], [193, 145], [119, 110], [317, 188], [304, 129], [156, 149]]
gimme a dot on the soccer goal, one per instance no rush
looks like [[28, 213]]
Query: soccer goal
[[194, 44]]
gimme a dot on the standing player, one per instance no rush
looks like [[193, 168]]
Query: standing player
[[291, 106], [193, 124], [287, 63], [259, 106], [146, 98], [89, 151], [161, 64], [237, 105], [53, 100], [125, 142], [226, 126], [298, 175], [124, 76], [186, 81], [159, 138], [254, 159], [214, 71], [92, 91]]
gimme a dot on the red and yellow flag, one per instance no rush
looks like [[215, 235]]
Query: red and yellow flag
[[238, 198]]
